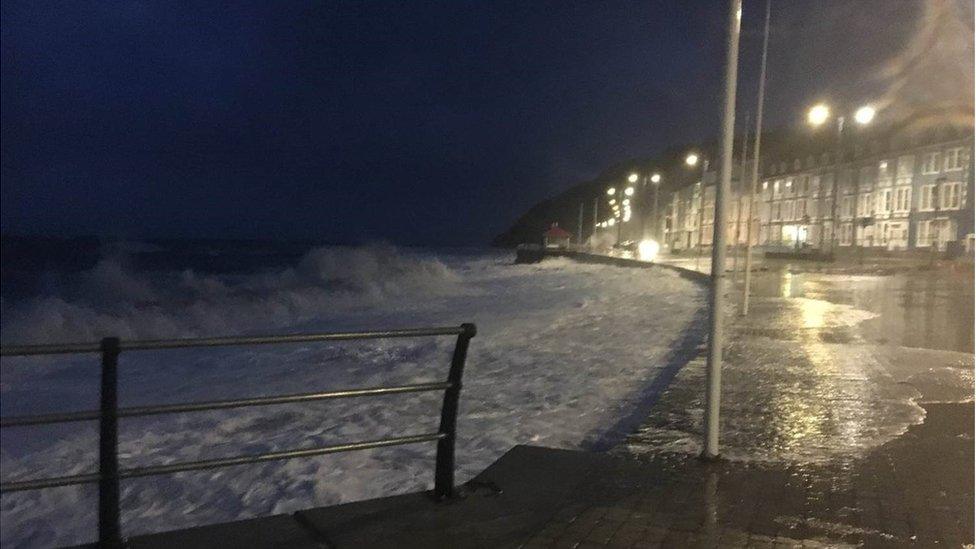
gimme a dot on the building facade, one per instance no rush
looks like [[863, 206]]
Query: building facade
[[900, 198]]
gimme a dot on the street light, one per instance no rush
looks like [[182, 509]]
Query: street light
[[692, 160], [864, 115], [632, 178], [656, 178], [629, 191], [611, 191], [818, 114]]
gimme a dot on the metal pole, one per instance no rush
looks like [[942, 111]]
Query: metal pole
[[714, 364], [109, 529], [579, 227], [657, 214], [701, 213], [596, 218], [738, 199], [755, 164], [444, 466], [838, 152], [640, 198]]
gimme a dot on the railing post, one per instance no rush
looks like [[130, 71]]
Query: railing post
[[444, 468], [109, 529]]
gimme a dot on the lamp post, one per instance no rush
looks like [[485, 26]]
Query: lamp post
[[817, 116], [713, 365], [656, 182], [692, 160], [754, 180]]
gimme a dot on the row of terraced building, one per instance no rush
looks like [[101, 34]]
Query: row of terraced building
[[890, 194]]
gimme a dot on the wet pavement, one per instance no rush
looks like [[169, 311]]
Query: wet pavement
[[858, 384]]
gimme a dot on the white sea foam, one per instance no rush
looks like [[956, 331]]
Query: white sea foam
[[564, 354]]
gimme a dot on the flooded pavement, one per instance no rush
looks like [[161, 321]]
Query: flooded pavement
[[931, 309], [826, 366], [847, 409]]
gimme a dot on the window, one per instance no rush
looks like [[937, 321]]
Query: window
[[924, 237], [828, 185], [864, 177], [776, 185], [847, 206], [864, 205], [906, 165], [815, 185], [883, 170], [903, 199], [810, 161], [782, 167], [930, 163], [796, 164], [846, 234], [954, 159], [884, 201], [788, 210], [777, 211], [789, 186], [801, 209], [927, 202], [950, 196]]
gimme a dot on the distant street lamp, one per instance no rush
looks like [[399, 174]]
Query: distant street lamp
[[632, 178], [629, 191], [818, 114], [611, 191], [864, 115], [691, 159]]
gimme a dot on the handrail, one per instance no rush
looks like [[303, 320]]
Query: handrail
[[136, 411], [108, 414], [148, 344]]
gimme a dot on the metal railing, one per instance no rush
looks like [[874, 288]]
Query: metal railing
[[108, 414]]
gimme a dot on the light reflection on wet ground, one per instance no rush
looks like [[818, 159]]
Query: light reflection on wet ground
[[926, 309], [826, 366], [846, 414]]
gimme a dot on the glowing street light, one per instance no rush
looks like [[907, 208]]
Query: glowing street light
[[656, 178], [818, 114], [632, 178], [864, 115], [629, 191], [647, 250], [691, 159], [611, 191]]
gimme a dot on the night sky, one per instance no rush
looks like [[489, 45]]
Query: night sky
[[416, 123]]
